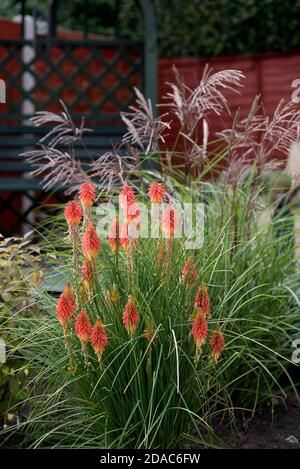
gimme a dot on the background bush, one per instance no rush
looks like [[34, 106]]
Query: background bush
[[189, 27]]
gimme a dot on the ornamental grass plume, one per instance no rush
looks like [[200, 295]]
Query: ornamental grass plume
[[216, 343], [189, 273], [202, 300], [90, 244], [83, 330], [130, 315], [99, 340], [199, 332], [156, 192], [66, 307]]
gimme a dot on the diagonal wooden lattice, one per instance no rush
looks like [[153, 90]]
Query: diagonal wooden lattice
[[95, 79]]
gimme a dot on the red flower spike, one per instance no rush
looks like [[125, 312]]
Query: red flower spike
[[130, 316], [66, 307], [87, 194], [133, 212], [113, 235], [90, 243], [73, 213], [199, 332], [156, 192], [202, 300], [169, 221], [127, 196], [99, 340], [86, 272], [189, 272], [83, 328], [216, 343]]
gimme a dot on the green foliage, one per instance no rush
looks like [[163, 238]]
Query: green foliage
[[154, 395], [202, 28], [19, 264]]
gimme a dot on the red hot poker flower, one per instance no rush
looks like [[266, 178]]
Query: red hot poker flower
[[83, 328], [202, 301], [86, 272], [199, 332], [130, 316], [65, 307], [216, 343], [169, 221], [189, 272], [113, 235], [87, 194], [156, 192], [127, 196], [73, 213], [90, 243], [99, 339]]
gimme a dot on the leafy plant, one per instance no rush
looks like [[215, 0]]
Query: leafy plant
[[20, 264]]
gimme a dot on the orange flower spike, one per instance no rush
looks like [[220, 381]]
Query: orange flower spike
[[124, 236], [130, 316], [189, 272], [133, 212], [86, 272], [199, 332], [127, 196], [99, 340], [113, 235], [156, 192], [83, 328], [73, 213], [216, 343], [202, 300], [87, 194], [169, 221], [90, 243], [65, 307]]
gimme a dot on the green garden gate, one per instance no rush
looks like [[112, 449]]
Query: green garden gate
[[93, 77]]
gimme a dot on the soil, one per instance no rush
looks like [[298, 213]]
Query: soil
[[266, 430]]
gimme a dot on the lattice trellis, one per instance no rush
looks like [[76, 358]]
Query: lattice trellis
[[93, 78]]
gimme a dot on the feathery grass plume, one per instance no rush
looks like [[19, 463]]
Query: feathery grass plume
[[66, 307], [130, 316], [199, 332], [87, 196], [216, 343], [99, 340], [189, 273], [83, 330], [90, 244], [112, 296], [156, 192], [202, 300]]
